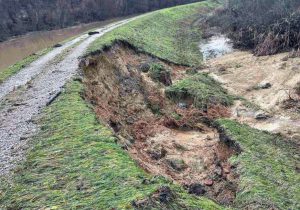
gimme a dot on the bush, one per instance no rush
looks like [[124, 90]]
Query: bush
[[266, 26]]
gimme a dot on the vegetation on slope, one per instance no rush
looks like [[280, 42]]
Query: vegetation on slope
[[76, 163], [6, 73], [202, 89], [267, 166], [168, 34]]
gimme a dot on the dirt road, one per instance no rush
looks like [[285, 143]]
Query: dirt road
[[24, 95]]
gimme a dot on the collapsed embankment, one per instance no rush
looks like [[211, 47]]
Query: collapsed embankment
[[169, 119], [161, 114], [173, 139]]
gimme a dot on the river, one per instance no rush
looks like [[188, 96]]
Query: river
[[20, 47]]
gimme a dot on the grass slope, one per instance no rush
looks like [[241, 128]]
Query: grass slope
[[168, 34], [6, 73], [203, 89], [267, 166], [76, 164]]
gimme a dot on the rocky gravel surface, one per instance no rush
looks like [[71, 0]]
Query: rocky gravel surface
[[24, 95]]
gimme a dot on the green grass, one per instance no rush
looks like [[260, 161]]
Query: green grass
[[76, 164], [168, 34], [8, 72], [267, 167], [202, 89], [157, 71]]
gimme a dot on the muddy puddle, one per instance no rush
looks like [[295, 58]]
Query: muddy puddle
[[215, 46], [165, 138]]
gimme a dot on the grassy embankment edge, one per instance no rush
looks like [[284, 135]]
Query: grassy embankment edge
[[267, 167]]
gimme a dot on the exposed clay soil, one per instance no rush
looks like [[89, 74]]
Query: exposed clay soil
[[246, 75], [163, 137]]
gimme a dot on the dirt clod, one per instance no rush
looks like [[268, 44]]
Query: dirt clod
[[209, 182], [262, 116], [196, 189], [165, 195], [176, 164], [157, 153], [266, 85], [145, 67]]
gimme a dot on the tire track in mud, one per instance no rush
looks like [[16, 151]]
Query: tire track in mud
[[24, 95]]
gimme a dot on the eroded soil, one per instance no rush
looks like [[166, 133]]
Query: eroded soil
[[165, 138], [267, 82]]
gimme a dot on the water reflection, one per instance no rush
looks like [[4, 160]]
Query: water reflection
[[18, 48], [215, 46]]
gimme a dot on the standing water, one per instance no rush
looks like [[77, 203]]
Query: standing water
[[20, 47], [215, 46]]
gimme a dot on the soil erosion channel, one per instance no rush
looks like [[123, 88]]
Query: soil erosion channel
[[166, 138], [24, 95]]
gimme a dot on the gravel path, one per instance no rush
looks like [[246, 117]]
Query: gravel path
[[24, 95]]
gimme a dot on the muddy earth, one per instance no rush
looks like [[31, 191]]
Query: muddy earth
[[176, 140], [268, 84], [24, 95], [188, 150]]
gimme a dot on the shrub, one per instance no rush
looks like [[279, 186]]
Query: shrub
[[266, 26]]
